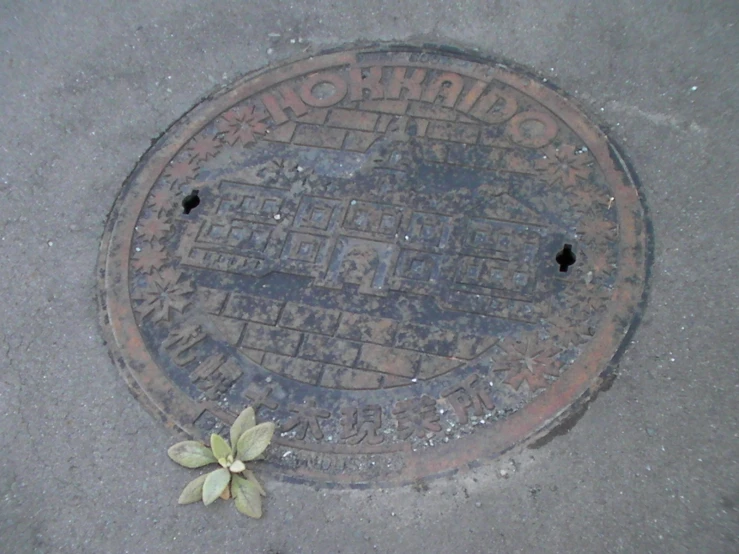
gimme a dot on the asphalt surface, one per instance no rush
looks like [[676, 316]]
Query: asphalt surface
[[652, 466]]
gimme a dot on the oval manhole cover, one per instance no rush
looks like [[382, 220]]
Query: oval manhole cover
[[410, 259]]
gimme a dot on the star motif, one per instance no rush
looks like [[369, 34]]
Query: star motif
[[162, 295], [153, 229], [592, 297], [594, 229], [567, 331], [148, 258], [601, 265], [181, 172], [203, 148], [283, 173], [531, 360], [597, 296], [588, 195], [240, 125], [161, 200], [563, 164]]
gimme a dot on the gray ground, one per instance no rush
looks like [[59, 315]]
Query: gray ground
[[653, 466]]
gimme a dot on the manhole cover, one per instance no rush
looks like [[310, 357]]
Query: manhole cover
[[411, 259]]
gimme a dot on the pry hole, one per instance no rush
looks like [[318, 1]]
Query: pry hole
[[190, 202], [565, 258]]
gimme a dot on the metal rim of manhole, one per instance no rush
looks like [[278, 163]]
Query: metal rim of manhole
[[411, 258]]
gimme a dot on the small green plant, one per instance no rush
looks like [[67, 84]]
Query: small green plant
[[233, 478]]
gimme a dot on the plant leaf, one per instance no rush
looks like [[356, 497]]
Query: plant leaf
[[191, 454], [244, 422], [214, 484], [219, 446], [237, 467], [246, 497], [254, 441], [193, 491], [250, 477]]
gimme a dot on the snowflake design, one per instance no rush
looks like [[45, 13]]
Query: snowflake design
[[531, 360], [597, 296], [284, 173], [567, 331], [596, 229], [162, 295], [149, 258], [153, 229], [160, 200], [593, 297], [563, 164], [241, 124], [181, 172], [203, 148], [588, 195], [602, 266]]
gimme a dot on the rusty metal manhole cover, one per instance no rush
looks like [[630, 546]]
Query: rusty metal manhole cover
[[411, 259]]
